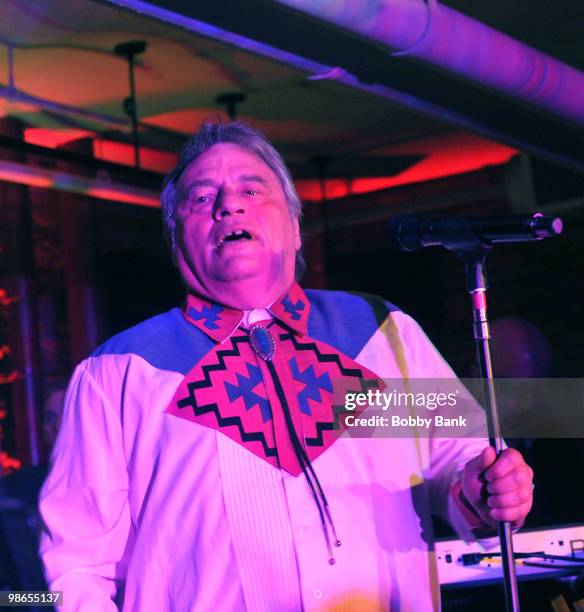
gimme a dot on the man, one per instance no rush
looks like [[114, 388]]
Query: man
[[197, 463]]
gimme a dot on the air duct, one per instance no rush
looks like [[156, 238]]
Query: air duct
[[444, 38]]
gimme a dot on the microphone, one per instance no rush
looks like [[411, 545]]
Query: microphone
[[412, 232]]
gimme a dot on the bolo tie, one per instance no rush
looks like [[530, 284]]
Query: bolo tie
[[263, 344]]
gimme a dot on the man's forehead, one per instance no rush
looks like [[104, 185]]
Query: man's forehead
[[233, 160]]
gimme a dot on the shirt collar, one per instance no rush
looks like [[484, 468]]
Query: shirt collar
[[292, 309], [219, 322]]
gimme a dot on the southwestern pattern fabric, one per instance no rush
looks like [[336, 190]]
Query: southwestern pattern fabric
[[233, 390]]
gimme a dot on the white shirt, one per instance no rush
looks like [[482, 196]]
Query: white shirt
[[190, 520]]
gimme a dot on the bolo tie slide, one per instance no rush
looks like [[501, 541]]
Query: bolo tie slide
[[262, 342]]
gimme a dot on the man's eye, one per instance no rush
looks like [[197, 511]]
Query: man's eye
[[202, 199], [251, 192], [194, 203]]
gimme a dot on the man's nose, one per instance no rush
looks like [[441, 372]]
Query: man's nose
[[228, 203]]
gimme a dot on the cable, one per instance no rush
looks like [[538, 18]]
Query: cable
[[552, 565], [475, 558]]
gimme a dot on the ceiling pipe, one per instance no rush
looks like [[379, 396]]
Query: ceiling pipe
[[449, 40], [33, 176], [16, 95]]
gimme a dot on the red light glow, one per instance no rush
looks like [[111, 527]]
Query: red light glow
[[44, 137], [446, 156], [121, 153], [116, 195]]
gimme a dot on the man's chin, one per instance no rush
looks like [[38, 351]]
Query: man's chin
[[242, 271]]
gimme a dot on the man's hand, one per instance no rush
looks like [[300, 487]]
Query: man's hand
[[498, 488]]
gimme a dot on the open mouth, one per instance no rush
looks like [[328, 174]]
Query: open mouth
[[233, 237]]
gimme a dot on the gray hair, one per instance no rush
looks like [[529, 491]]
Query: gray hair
[[208, 135]]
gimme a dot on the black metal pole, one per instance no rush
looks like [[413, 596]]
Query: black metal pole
[[134, 112], [477, 287], [231, 99], [129, 50]]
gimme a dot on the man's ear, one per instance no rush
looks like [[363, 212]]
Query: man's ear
[[297, 238]]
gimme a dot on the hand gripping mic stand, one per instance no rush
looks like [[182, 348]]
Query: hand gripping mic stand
[[473, 252]]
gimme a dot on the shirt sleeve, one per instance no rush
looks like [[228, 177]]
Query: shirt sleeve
[[447, 456], [84, 501]]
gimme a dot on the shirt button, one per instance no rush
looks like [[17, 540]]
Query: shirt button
[[318, 593], [306, 528]]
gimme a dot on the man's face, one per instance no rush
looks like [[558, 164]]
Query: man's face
[[235, 235]]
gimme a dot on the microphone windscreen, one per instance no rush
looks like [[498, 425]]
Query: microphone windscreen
[[404, 232]]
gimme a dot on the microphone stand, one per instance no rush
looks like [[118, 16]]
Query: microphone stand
[[473, 252]]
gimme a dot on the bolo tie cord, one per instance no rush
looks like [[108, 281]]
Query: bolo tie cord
[[307, 469]]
